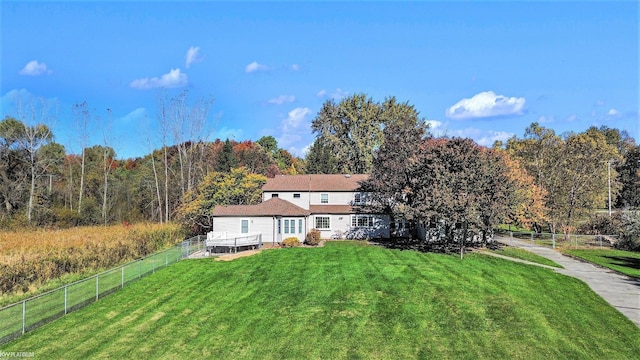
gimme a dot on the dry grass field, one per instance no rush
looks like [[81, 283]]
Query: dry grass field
[[31, 258]]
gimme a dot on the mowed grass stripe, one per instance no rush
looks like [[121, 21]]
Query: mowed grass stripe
[[345, 300]]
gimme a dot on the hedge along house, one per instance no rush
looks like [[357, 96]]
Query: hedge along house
[[292, 205]]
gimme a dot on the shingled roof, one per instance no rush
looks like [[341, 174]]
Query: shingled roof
[[271, 207], [315, 182]]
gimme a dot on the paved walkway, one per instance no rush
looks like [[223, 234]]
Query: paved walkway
[[622, 292]]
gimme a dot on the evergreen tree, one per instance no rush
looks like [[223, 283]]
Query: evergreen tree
[[227, 159]]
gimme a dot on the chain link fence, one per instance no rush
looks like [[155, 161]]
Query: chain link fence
[[31, 313], [562, 240]]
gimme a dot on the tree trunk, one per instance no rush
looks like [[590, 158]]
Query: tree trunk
[[155, 175]]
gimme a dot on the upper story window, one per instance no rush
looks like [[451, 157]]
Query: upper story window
[[274, 195], [296, 196], [357, 198], [324, 198]]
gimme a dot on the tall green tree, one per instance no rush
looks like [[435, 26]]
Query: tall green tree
[[629, 171], [13, 166], [353, 129], [227, 159], [320, 159], [572, 171]]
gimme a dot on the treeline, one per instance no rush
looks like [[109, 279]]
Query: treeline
[[43, 185], [542, 181]]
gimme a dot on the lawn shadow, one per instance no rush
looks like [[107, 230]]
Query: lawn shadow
[[625, 261], [441, 247]]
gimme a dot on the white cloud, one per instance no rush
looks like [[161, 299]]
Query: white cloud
[[483, 137], [174, 78], [295, 67], [599, 102], [295, 119], [437, 128], [614, 112], [486, 104], [546, 119], [493, 136], [338, 94], [136, 116], [192, 56], [282, 99], [34, 68], [572, 117], [254, 66], [228, 133], [433, 124], [293, 129]]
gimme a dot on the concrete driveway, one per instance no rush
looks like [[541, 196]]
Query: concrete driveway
[[622, 292]]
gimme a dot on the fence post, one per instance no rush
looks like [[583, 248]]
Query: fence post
[[65, 299], [553, 240], [600, 241], [510, 238], [166, 258], [235, 244], [24, 316], [139, 268], [153, 264], [97, 286], [122, 277]]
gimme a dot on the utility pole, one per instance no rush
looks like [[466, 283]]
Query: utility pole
[[609, 179]]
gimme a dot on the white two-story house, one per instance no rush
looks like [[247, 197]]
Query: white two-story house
[[292, 205]]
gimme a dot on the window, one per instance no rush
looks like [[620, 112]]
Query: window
[[279, 228], [322, 222], [357, 198], [296, 196], [362, 221], [292, 225], [324, 198], [299, 226], [286, 226], [274, 195], [244, 226]]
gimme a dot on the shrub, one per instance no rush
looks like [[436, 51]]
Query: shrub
[[629, 236], [601, 224], [313, 237], [291, 242]]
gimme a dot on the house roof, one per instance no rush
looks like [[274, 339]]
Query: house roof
[[315, 182], [271, 207]]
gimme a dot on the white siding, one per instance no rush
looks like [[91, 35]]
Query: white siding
[[302, 201], [335, 198], [267, 226], [261, 225], [340, 227]]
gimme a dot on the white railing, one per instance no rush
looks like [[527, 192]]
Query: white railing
[[231, 241]]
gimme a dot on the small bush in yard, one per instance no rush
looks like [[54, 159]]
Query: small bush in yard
[[291, 242], [313, 237]]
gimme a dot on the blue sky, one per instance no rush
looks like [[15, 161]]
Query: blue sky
[[484, 70]]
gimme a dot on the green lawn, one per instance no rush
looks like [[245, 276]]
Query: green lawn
[[345, 300], [626, 262], [525, 255]]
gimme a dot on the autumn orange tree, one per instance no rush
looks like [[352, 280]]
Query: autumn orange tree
[[528, 199]]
